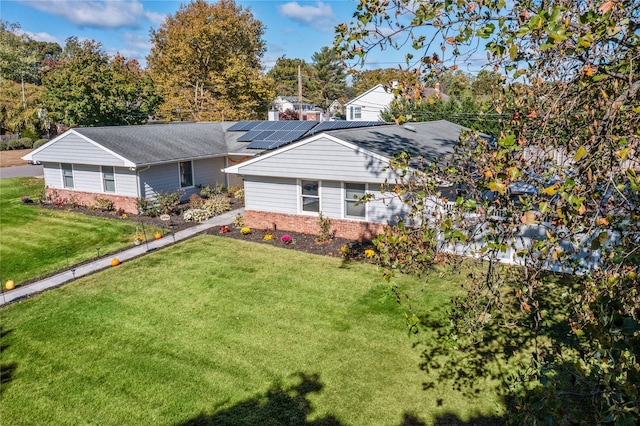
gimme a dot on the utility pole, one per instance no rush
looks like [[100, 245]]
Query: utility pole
[[299, 94]]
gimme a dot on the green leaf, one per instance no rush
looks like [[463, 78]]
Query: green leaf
[[496, 186], [580, 153], [507, 141]]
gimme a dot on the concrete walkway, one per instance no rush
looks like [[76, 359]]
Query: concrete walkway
[[105, 262]]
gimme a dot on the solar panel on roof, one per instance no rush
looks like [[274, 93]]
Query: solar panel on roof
[[258, 144], [342, 124], [243, 126]]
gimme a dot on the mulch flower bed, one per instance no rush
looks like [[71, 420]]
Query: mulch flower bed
[[298, 241], [302, 242]]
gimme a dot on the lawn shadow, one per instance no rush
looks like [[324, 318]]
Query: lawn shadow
[[6, 370], [279, 405], [500, 355]]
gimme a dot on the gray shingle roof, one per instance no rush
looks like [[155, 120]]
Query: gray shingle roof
[[432, 140], [158, 143]]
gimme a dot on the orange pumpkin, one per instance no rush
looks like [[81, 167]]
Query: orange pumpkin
[[158, 235], [115, 261]]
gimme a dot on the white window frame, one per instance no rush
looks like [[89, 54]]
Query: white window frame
[[345, 200], [104, 180], [302, 196], [356, 112], [180, 175], [62, 173]]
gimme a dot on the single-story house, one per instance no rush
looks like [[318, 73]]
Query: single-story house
[[291, 171], [289, 187], [124, 163]]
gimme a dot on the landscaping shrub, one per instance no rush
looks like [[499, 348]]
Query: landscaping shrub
[[104, 204], [146, 207], [4, 146], [39, 143], [168, 202], [238, 221], [196, 201], [239, 194], [324, 223], [196, 215], [217, 205], [232, 190], [22, 143], [208, 192]]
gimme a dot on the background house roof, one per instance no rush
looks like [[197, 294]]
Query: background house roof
[[432, 140], [159, 143]]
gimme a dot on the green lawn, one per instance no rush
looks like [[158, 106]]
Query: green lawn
[[220, 331], [35, 241]]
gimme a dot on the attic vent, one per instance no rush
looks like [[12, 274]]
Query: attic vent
[[410, 128]]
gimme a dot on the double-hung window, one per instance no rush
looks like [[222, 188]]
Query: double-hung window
[[186, 174], [67, 175], [356, 112], [353, 207], [310, 196], [108, 179]]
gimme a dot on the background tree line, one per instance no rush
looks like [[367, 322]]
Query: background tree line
[[204, 65]]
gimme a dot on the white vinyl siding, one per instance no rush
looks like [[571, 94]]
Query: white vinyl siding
[[385, 208], [321, 159], [108, 179], [126, 182], [331, 195], [271, 194], [87, 178], [82, 152], [52, 175], [67, 176], [162, 178], [209, 172]]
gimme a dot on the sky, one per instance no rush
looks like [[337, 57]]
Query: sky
[[294, 29]]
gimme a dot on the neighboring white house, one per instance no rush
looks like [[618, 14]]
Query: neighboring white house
[[283, 103], [369, 105]]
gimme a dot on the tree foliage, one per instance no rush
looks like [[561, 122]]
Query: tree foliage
[[361, 81], [14, 116], [564, 168], [329, 78], [284, 76], [205, 63], [88, 88]]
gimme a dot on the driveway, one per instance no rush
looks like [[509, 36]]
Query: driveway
[[15, 171]]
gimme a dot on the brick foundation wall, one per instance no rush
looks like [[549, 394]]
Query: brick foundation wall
[[128, 204], [351, 229]]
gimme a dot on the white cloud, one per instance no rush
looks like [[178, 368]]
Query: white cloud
[[98, 13], [320, 16], [43, 37], [137, 41], [129, 54]]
